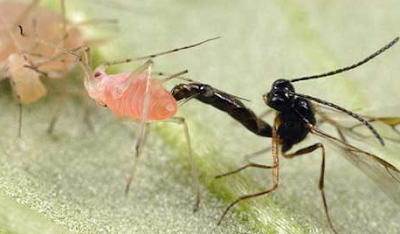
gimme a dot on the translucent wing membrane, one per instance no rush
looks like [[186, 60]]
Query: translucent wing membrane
[[388, 126], [386, 175]]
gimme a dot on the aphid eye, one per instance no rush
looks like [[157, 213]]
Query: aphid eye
[[206, 90], [97, 74]]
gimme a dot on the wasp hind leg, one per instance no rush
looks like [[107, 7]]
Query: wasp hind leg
[[308, 150]]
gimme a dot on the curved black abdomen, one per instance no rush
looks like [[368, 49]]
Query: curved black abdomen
[[237, 110], [225, 102]]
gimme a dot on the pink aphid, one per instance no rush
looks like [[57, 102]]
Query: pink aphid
[[134, 95], [125, 98]]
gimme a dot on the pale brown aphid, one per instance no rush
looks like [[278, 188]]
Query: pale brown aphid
[[24, 61]]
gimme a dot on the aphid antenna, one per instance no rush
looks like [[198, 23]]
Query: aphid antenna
[[176, 75], [350, 113], [157, 73], [344, 69], [151, 56]]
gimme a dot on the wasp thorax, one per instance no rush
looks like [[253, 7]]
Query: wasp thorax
[[279, 98]]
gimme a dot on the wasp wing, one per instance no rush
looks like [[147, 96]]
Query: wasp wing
[[385, 121], [385, 174]]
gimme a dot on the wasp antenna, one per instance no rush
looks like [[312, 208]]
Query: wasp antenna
[[352, 114], [344, 69]]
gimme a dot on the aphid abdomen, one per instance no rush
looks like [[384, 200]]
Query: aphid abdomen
[[26, 82], [162, 104]]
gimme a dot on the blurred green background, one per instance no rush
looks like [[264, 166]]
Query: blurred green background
[[73, 181]]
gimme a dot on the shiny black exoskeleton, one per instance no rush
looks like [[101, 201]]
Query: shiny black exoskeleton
[[224, 102], [294, 113]]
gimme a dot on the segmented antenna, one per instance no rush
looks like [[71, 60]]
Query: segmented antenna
[[352, 114], [151, 56], [340, 70]]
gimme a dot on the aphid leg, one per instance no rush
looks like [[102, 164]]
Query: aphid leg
[[123, 86], [46, 59], [275, 175], [86, 115], [20, 120], [308, 150], [20, 115], [195, 175], [151, 56], [139, 146], [86, 106], [58, 106], [142, 127], [82, 56]]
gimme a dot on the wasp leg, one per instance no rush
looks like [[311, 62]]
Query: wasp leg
[[275, 176], [308, 150], [242, 168]]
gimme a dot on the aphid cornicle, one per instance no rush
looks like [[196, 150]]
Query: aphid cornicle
[[133, 95], [296, 118]]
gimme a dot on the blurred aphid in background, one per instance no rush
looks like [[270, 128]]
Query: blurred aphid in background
[[298, 114], [24, 61]]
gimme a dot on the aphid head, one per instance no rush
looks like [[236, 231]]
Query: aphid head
[[279, 98], [99, 73]]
